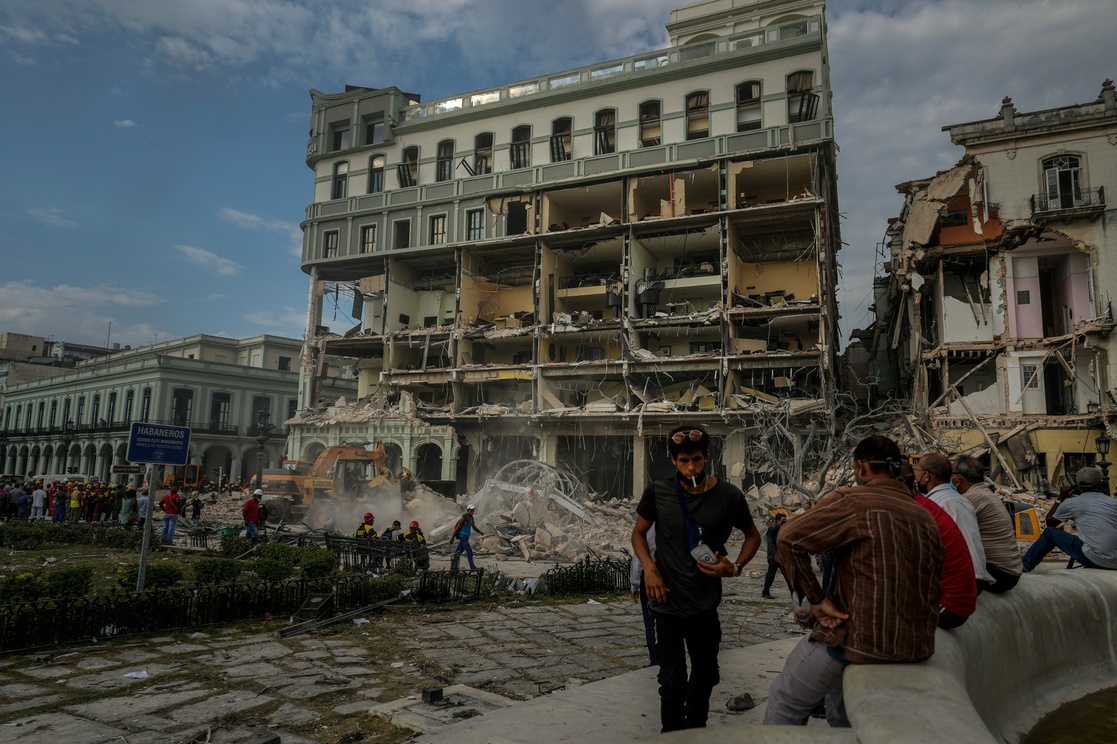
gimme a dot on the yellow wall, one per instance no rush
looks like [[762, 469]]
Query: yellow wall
[[797, 277]]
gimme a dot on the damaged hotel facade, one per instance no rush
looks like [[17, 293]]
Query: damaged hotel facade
[[566, 267], [996, 314]]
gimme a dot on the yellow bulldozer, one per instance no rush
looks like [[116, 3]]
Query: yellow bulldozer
[[342, 475]]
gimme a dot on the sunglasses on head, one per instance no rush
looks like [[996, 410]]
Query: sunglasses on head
[[693, 435]]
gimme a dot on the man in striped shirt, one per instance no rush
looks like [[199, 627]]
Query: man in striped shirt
[[883, 602]]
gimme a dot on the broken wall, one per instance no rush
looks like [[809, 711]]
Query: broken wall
[[755, 280]]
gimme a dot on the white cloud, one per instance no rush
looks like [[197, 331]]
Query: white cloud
[[71, 313], [179, 52], [52, 216], [288, 321], [23, 34], [210, 260], [251, 221], [123, 123]]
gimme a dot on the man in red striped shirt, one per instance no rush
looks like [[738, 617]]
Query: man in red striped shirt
[[882, 604]]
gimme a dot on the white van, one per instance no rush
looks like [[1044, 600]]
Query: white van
[[48, 478]]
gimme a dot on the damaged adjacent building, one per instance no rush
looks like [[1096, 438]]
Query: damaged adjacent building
[[565, 267], [996, 311]]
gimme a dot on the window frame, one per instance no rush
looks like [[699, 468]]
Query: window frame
[[802, 101], [339, 184], [605, 131], [519, 151], [752, 103], [562, 140], [397, 234], [444, 161], [341, 136], [697, 104], [373, 124], [436, 229], [475, 231], [650, 119], [407, 171], [483, 154], [367, 231], [376, 163], [331, 243]]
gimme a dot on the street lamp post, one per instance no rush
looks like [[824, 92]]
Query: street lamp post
[[1102, 444], [262, 430]]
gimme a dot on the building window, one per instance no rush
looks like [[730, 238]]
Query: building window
[[260, 404], [339, 138], [182, 401], [81, 411], [402, 234], [561, 131], [475, 225], [330, 243], [111, 413], [129, 398], [802, 104], [698, 115], [284, 364], [368, 238], [54, 413], [145, 405], [374, 129], [438, 229], [1062, 183], [219, 411], [483, 154], [748, 105], [1028, 377], [341, 181], [1023, 297], [650, 135], [94, 415], [444, 165], [521, 147], [39, 420], [605, 132], [408, 170], [376, 174]]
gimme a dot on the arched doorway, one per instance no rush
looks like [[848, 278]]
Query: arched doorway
[[428, 462]]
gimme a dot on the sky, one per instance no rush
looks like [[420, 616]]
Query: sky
[[153, 173]]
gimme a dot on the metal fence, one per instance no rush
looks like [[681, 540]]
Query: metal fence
[[586, 577], [446, 586], [360, 554]]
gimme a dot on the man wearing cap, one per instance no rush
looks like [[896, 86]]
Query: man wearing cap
[[1095, 518], [251, 512], [463, 528], [694, 513]]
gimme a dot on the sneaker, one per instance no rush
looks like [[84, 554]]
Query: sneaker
[[766, 595]]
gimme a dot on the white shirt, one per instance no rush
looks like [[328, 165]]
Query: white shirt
[[38, 498], [962, 512]]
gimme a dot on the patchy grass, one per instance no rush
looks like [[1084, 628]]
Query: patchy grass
[[103, 562]]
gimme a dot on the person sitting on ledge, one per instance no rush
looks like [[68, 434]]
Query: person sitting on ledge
[[1095, 518], [998, 535]]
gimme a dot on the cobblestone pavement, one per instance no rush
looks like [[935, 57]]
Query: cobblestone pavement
[[239, 681]]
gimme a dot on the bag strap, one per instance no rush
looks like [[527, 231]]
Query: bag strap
[[692, 528]]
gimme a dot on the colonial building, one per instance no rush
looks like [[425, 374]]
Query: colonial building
[[565, 267], [997, 310], [79, 419]]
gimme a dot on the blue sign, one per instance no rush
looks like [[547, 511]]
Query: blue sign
[[159, 443]]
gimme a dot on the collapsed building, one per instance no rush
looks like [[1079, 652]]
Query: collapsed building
[[995, 311], [564, 268]]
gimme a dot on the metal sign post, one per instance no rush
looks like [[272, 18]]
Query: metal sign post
[[155, 444]]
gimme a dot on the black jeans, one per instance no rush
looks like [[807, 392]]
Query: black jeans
[[770, 577], [685, 703], [1002, 580]]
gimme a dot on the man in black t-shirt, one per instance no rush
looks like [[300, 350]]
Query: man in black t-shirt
[[683, 589]]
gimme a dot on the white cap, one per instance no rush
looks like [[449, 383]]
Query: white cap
[[258, 492], [471, 507]]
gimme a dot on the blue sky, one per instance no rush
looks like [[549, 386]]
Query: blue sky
[[153, 175]]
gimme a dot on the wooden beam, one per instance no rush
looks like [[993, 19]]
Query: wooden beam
[[988, 440]]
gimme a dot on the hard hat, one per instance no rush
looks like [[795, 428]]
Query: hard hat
[[414, 525], [369, 517], [258, 492]]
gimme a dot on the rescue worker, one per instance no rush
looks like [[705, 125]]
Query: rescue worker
[[365, 529], [413, 534]]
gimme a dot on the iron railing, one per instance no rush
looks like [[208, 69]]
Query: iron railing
[[1077, 199], [446, 586], [359, 554], [586, 577]]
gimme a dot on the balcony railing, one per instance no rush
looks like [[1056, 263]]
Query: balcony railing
[[1084, 200]]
